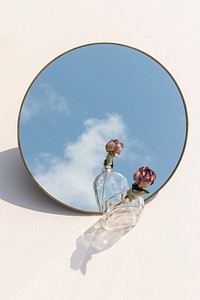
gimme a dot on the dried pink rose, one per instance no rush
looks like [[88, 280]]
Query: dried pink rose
[[144, 177], [114, 146]]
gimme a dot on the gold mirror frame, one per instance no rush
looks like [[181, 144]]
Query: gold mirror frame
[[117, 44]]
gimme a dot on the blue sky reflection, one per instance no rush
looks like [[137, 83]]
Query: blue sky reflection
[[89, 96]]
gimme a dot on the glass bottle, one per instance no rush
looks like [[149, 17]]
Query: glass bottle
[[107, 184], [125, 210]]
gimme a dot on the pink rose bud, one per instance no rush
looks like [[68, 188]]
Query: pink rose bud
[[144, 177], [114, 146]]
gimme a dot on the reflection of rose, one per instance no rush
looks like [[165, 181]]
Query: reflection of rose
[[144, 177], [114, 146]]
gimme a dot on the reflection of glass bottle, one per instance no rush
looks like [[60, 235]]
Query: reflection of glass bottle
[[107, 184], [125, 210]]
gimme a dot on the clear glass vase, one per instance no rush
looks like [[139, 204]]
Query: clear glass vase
[[122, 212], [107, 184]]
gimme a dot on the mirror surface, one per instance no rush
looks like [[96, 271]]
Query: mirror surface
[[88, 96]]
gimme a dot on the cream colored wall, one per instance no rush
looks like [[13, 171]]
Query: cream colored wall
[[159, 259]]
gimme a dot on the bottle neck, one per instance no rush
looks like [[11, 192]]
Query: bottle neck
[[106, 169]]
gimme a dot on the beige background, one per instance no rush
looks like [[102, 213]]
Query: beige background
[[158, 259]]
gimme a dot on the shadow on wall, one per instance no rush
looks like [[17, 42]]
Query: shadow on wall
[[94, 240], [18, 187]]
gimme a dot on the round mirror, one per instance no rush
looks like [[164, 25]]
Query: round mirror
[[88, 96]]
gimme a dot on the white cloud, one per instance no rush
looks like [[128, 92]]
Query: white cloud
[[30, 109], [54, 100], [49, 100], [70, 178]]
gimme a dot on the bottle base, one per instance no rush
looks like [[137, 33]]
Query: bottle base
[[121, 218]]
